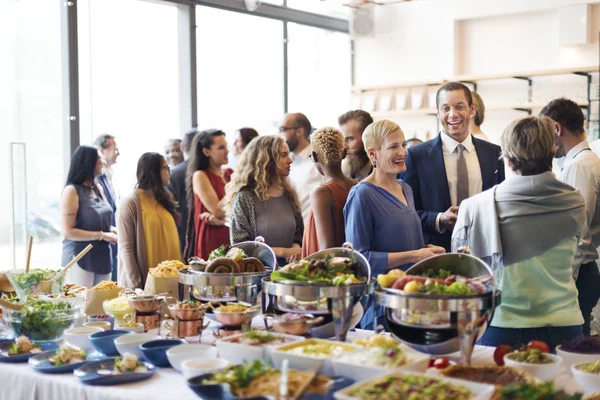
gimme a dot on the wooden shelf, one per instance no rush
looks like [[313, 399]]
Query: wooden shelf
[[491, 107], [472, 78]]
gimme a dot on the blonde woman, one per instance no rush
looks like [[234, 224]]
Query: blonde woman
[[261, 200], [325, 226], [380, 216], [477, 120]]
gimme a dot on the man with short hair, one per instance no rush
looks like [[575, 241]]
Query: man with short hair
[[178, 187], [356, 165], [450, 168], [109, 152], [296, 130], [173, 152], [581, 169]]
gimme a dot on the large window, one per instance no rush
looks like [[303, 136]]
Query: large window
[[319, 73], [239, 72], [129, 78], [31, 117]]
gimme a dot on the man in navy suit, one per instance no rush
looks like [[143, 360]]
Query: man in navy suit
[[455, 165]]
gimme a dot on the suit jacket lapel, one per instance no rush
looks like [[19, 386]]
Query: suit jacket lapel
[[436, 157], [486, 164]]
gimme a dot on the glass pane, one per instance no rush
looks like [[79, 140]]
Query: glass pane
[[319, 73], [129, 78], [242, 86], [31, 112], [330, 8]]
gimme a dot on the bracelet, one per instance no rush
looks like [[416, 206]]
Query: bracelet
[[101, 236]]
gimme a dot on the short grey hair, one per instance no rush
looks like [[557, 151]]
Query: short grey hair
[[529, 144], [102, 141]]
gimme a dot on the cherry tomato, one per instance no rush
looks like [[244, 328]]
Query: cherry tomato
[[539, 345], [500, 352], [441, 363]]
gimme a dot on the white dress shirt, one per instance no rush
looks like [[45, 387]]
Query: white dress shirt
[[582, 171], [449, 146], [305, 176]]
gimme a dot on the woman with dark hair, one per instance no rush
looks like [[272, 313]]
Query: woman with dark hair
[[85, 219], [242, 139], [206, 181], [147, 222]]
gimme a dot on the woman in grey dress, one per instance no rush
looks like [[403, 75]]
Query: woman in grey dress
[[262, 202], [86, 219]]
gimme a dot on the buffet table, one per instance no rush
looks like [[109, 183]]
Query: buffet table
[[20, 381]]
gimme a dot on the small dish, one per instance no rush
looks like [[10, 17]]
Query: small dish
[[21, 358], [570, 358], [104, 342], [179, 354], [131, 343], [88, 373], [80, 337], [230, 319], [138, 328], [203, 366], [103, 317], [588, 381], [41, 362], [155, 351], [545, 372], [293, 324], [105, 325]]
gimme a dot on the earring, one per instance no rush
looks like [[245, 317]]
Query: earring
[[374, 163]]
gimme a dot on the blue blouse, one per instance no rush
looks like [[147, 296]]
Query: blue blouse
[[377, 223]]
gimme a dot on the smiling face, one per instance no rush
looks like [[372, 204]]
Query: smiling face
[[284, 164], [173, 152], [391, 157], [218, 152], [455, 114]]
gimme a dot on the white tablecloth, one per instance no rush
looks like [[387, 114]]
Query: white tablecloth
[[21, 382]]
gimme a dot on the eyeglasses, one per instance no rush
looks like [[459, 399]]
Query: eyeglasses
[[287, 128], [166, 167]]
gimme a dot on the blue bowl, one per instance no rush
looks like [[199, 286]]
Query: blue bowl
[[155, 351], [104, 341]]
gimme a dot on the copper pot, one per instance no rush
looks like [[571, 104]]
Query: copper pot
[[233, 319], [187, 314], [145, 304]]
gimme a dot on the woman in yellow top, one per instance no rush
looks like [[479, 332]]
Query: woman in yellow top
[[148, 219]]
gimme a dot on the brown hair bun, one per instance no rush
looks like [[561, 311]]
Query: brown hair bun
[[223, 265], [252, 264]]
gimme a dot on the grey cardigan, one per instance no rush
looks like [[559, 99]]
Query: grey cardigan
[[133, 266]]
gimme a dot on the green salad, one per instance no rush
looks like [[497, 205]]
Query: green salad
[[337, 271], [240, 376], [42, 320], [439, 274], [26, 283], [455, 289], [527, 391]]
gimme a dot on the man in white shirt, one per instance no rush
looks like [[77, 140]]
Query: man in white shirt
[[296, 129], [581, 169], [450, 168]]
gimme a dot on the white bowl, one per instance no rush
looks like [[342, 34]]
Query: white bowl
[[238, 353], [179, 354], [588, 381], [196, 367], [545, 372], [480, 391], [570, 358], [104, 325], [305, 362], [80, 337], [347, 367], [131, 343], [139, 328]]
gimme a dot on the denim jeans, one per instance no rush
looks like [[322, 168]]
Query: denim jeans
[[551, 335]]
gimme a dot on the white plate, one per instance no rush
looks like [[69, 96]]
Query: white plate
[[237, 353], [480, 391]]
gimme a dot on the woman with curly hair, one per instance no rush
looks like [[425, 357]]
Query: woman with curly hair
[[147, 223], [206, 179], [261, 200], [325, 226]]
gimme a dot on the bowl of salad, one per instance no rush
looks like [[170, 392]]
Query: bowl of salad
[[252, 345], [42, 320], [36, 281]]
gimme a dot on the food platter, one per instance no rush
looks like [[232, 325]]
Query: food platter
[[335, 303], [240, 286], [440, 324]]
